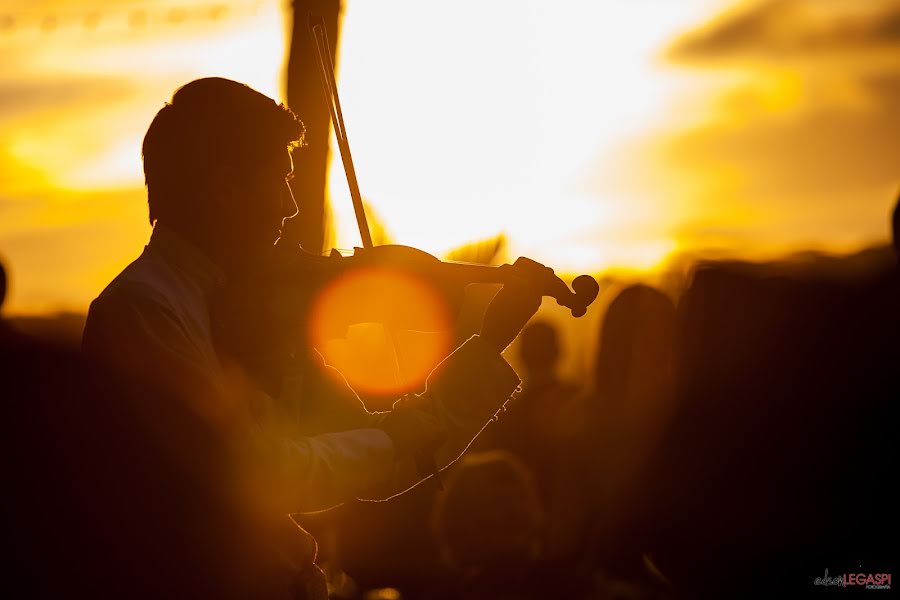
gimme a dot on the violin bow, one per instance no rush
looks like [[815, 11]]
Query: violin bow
[[424, 462], [329, 85], [319, 34]]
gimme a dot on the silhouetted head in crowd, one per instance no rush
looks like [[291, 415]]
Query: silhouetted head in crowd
[[490, 512], [636, 343], [896, 225], [216, 163], [539, 348]]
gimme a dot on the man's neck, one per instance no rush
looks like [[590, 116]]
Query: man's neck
[[207, 244], [228, 254]]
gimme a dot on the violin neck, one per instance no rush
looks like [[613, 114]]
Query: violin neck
[[475, 273]]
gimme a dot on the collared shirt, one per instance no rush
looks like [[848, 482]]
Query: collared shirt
[[153, 322]]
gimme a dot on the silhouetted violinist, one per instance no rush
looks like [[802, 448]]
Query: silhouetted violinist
[[213, 315], [216, 161]]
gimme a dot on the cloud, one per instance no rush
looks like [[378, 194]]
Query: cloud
[[39, 95], [801, 147], [790, 29], [820, 141], [823, 173]]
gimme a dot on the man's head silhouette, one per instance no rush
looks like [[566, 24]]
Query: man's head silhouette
[[216, 160]]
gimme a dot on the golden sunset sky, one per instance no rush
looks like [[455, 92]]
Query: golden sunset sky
[[614, 133]]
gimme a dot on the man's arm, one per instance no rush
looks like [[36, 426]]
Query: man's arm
[[462, 393], [472, 384], [301, 473]]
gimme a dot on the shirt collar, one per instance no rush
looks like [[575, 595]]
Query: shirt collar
[[186, 257]]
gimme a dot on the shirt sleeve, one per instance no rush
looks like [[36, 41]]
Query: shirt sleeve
[[312, 473], [465, 391]]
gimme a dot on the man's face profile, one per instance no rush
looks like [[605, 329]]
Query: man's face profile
[[253, 201]]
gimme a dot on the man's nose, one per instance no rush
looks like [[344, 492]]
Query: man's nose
[[288, 204]]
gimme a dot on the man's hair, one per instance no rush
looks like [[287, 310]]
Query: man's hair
[[210, 122]]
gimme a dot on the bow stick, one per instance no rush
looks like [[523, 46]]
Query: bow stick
[[425, 462], [329, 84]]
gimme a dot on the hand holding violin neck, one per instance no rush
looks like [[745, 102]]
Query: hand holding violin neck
[[584, 288]]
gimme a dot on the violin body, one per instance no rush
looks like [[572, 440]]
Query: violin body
[[287, 288]]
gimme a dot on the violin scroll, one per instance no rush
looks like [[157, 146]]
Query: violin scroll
[[585, 289]]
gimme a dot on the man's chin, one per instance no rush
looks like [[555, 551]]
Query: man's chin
[[267, 240]]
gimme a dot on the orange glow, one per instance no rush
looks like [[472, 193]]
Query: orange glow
[[373, 358]]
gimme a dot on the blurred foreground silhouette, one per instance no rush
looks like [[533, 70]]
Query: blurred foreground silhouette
[[107, 499]]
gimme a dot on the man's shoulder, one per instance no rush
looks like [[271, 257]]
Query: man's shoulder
[[134, 313], [144, 282], [141, 289]]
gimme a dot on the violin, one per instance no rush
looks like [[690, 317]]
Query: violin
[[451, 278], [266, 313]]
